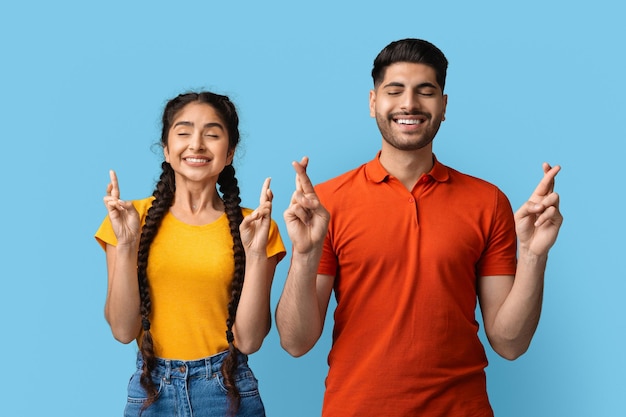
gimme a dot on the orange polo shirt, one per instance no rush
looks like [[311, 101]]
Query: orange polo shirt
[[405, 341]]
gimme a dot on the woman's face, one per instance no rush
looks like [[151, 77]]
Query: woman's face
[[197, 144]]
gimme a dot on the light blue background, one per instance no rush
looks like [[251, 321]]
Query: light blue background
[[81, 90]]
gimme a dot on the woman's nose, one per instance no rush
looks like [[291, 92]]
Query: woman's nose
[[196, 142]]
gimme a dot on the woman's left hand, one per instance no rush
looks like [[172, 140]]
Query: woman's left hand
[[255, 227]]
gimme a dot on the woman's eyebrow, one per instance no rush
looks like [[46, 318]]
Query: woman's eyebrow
[[191, 124], [183, 123]]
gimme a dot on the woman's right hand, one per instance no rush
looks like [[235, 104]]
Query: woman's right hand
[[123, 215]]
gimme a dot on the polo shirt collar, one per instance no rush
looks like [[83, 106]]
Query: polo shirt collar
[[439, 172], [376, 172]]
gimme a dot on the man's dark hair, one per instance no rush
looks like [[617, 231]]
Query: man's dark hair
[[417, 51]]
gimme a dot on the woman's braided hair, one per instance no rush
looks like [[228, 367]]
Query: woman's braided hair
[[164, 197]]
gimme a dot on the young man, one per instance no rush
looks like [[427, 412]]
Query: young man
[[408, 245]]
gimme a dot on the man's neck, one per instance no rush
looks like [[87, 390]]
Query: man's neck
[[407, 166]]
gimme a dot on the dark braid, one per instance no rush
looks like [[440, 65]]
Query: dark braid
[[164, 196], [232, 201]]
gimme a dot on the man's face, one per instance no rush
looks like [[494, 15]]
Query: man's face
[[408, 105]]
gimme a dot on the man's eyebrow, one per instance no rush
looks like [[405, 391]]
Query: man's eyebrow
[[393, 84], [427, 85], [402, 85]]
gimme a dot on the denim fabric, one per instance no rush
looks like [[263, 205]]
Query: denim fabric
[[194, 389]]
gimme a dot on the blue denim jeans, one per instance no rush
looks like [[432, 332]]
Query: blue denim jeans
[[194, 389]]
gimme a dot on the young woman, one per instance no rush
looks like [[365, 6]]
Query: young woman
[[190, 271]]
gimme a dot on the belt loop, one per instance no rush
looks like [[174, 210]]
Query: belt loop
[[168, 370], [207, 368]]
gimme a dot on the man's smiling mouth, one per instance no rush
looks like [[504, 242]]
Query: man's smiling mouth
[[409, 121]]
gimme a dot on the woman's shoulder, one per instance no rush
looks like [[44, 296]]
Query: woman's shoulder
[[142, 205]]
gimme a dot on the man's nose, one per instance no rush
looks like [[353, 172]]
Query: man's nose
[[410, 102]]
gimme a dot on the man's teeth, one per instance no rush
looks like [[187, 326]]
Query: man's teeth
[[408, 121], [196, 160]]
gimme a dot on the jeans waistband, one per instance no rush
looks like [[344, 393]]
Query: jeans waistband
[[201, 368]]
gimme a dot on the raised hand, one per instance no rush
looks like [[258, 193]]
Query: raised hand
[[306, 218], [537, 222], [123, 215], [255, 227]]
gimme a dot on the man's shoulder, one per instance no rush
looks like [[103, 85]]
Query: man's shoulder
[[475, 191], [341, 181], [457, 176]]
